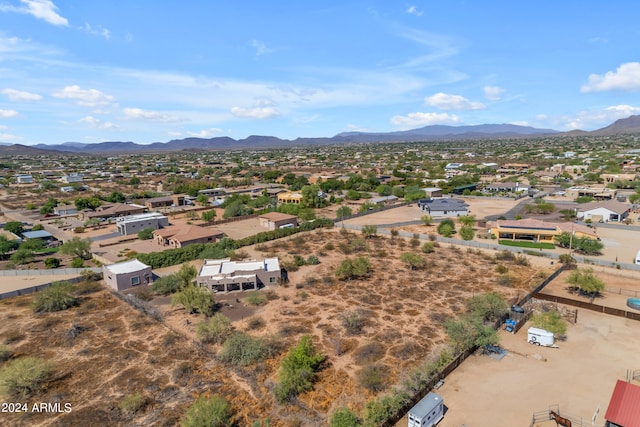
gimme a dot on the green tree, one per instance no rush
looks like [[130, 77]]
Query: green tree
[[243, 350], [209, 216], [370, 231], [215, 330], [551, 321], [414, 261], [186, 274], [202, 200], [469, 331], [14, 227], [145, 234], [92, 222], [361, 267], [586, 281], [212, 411], [57, 297], [116, 197], [297, 370], [384, 190], [446, 228], [343, 417], [343, 211], [83, 203], [311, 197], [353, 195], [166, 285], [237, 208], [466, 232], [77, 247], [488, 307], [47, 208], [194, 300], [467, 220], [33, 245], [7, 245], [426, 220], [22, 256]]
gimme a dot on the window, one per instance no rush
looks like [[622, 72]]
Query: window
[[135, 280], [272, 280]]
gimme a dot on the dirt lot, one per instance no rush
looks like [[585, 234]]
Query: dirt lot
[[403, 312], [598, 351]]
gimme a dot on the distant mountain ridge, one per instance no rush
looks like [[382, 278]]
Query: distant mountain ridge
[[432, 133]]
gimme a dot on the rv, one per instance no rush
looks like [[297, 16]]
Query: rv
[[427, 412], [539, 336]]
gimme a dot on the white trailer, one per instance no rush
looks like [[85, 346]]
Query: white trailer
[[428, 412], [539, 336], [637, 260]]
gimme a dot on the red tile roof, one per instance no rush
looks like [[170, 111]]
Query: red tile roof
[[624, 407]]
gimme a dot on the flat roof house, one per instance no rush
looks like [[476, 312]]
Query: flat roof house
[[125, 275], [133, 224], [224, 275], [290, 197], [65, 210], [276, 220], [24, 179]]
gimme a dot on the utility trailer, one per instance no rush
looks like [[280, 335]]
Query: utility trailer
[[539, 336]]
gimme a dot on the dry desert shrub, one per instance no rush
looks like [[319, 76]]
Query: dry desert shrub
[[368, 353]]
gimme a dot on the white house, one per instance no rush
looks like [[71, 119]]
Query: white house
[[428, 412], [133, 224], [74, 177], [224, 275], [24, 179], [611, 210]]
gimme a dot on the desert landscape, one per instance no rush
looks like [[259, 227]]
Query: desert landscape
[[402, 311]]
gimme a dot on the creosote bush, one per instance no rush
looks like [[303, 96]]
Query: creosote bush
[[132, 403], [212, 411], [59, 296], [215, 330], [23, 376]]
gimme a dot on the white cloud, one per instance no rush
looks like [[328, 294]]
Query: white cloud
[[41, 9], [588, 119], [206, 133], [20, 96], [84, 97], [413, 10], [262, 109], [260, 47], [155, 116], [3, 127], [626, 77], [97, 31], [8, 137], [5, 114], [413, 120], [448, 102], [493, 93], [97, 123]]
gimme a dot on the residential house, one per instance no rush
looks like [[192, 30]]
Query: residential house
[[43, 235], [132, 224], [287, 197], [116, 210], [180, 236], [67, 189], [610, 178], [546, 176], [432, 192], [536, 230], [611, 210], [444, 207], [384, 200], [597, 192], [163, 201], [505, 187], [224, 275], [74, 177], [65, 210], [624, 406], [276, 220], [24, 179], [125, 275]]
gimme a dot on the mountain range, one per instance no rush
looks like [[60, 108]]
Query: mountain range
[[427, 133]]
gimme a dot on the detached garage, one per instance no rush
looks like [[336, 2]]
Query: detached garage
[[125, 275]]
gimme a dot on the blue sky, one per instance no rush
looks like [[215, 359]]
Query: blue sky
[[147, 71]]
